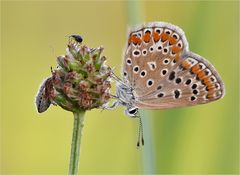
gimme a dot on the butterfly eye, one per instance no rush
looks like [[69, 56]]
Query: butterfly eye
[[124, 74], [131, 112]]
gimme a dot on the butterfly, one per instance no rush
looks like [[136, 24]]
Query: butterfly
[[159, 72]]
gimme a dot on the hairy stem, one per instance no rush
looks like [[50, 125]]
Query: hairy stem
[[76, 142]]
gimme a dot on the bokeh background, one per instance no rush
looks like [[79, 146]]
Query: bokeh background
[[202, 139]]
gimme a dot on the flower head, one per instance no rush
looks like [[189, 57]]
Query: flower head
[[81, 80]]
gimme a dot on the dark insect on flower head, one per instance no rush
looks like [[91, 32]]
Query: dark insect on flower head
[[77, 38]]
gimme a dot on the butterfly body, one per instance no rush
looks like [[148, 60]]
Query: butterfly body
[[126, 98], [160, 72]]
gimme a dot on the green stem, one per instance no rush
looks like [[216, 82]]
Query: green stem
[[76, 141], [136, 16]]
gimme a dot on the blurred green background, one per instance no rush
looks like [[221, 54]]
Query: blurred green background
[[202, 139]]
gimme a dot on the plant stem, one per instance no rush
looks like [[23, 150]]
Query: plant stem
[[76, 141], [136, 16]]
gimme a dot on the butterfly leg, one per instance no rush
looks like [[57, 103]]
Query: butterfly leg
[[111, 107]]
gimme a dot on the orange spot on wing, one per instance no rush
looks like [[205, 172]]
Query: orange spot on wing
[[164, 37], [139, 40], [156, 36], [175, 49], [201, 75], [211, 86], [172, 40], [195, 68], [211, 92], [135, 40], [207, 81], [146, 37], [210, 96], [177, 58], [185, 65]]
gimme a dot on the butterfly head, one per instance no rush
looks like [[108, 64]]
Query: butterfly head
[[131, 111]]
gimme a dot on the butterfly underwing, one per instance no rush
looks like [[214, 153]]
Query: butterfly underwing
[[160, 72]]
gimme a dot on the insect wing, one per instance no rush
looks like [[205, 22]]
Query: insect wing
[[158, 66], [42, 99]]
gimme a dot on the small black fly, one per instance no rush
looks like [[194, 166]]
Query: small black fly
[[77, 38]]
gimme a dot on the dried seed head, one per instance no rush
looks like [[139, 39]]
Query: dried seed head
[[80, 82]]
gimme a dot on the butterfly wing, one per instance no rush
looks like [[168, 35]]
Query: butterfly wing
[[157, 64], [194, 81], [152, 51], [42, 99]]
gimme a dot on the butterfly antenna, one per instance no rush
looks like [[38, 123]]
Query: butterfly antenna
[[141, 125], [138, 142], [116, 77], [140, 133]]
